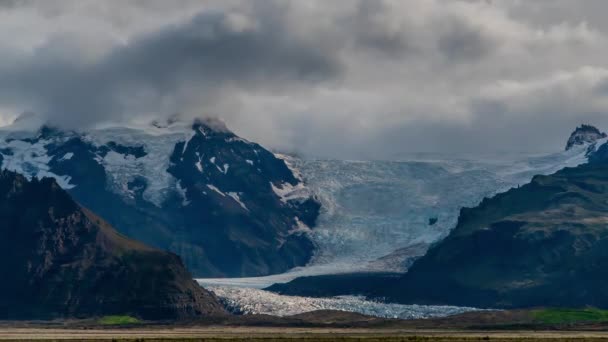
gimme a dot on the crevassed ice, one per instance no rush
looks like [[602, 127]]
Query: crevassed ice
[[372, 208], [31, 160], [254, 301], [152, 167]]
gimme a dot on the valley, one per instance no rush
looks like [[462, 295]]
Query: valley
[[375, 219], [367, 222], [268, 170]]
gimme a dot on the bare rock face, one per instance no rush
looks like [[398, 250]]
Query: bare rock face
[[585, 134], [61, 260]]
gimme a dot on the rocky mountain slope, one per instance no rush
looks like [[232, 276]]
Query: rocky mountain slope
[[61, 260], [541, 244], [227, 206], [585, 134]]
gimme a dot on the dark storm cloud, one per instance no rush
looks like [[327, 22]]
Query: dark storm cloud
[[462, 42], [348, 79], [209, 51]]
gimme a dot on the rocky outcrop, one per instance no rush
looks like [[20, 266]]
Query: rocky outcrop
[[583, 135], [60, 260]]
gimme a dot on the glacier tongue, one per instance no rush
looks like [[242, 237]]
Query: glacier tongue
[[253, 301]]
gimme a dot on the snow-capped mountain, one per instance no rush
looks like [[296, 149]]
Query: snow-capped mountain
[[376, 216], [379, 216], [227, 206], [583, 135]]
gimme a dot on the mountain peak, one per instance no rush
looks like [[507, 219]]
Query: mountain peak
[[214, 124], [584, 134], [178, 120]]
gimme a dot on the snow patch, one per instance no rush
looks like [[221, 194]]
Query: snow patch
[[235, 196], [199, 163], [214, 188], [288, 192], [67, 156], [300, 228], [187, 141]]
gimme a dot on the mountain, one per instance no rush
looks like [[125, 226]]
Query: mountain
[[61, 260], [583, 135], [227, 206], [541, 244]]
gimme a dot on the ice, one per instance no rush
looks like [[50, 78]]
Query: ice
[[158, 145], [254, 301], [30, 160], [288, 192], [371, 209], [182, 192]]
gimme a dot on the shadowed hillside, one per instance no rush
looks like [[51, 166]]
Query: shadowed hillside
[[60, 260]]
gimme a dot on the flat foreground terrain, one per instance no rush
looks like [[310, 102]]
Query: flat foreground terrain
[[516, 325], [290, 334]]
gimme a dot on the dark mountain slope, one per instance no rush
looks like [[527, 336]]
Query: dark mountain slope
[[227, 206], [60, 260], [543, 244]]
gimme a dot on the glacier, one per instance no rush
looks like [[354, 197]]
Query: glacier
[[370, 209], [254, 301], [373, 208]]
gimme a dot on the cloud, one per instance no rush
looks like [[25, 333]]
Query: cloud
[[202, 55], [349, 79]]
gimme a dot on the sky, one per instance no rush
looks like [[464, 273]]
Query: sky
[[352, 79]]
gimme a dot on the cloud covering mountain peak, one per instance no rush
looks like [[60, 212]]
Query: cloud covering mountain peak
[[356, 79]]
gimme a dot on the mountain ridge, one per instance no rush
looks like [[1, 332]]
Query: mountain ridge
[[228, 206], [538, 244]]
